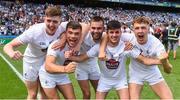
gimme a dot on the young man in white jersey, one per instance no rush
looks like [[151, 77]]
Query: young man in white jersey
[[53, 74], [37, 37], [140, 73], [113, 73], [88, 71]]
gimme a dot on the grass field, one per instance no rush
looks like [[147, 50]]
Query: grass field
[[11, 87]]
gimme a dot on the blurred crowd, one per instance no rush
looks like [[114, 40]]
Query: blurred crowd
[[15, 18]]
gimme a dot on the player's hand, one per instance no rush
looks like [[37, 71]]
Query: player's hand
[[128, 46], [68, 54], [102, 56], [70, 67], [168, 69], [76, 48], [60, 44], [16, 55]]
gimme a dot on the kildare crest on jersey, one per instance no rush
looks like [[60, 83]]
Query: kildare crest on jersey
[[112, 64]]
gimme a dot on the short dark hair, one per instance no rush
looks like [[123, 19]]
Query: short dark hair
[[113, 24], [97, 19], [142, 19], [74, 25], [53, 11]]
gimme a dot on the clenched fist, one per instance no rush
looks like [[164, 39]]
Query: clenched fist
[[16, 55], [70, 67]]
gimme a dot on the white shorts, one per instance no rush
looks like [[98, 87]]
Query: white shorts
[[104, 84], [86, 71], [151, 77], [52, 80], [31, 70]]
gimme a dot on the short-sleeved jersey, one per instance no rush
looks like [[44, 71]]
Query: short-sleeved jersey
[[116, 55], [60, 59], [38, 41], [87, 44], [153, 48]]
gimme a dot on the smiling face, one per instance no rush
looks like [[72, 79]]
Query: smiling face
[[113, 32], [52, 19], [96, 30], [141, 31], [52, 24], [73, 37], [113, 36]]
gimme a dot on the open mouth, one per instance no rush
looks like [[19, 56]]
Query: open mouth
[[72, 42], [141, 37]]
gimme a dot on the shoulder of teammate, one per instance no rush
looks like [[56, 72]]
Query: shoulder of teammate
[[93, 52], [63, 24], [127, 37], [32, 32], [52, 43], [156, 44]]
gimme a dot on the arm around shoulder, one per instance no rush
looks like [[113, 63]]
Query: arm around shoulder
[[148, 61]]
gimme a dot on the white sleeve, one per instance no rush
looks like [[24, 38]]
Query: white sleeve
[[127, 37], [27, 36], [94, 51], [134, 53], [51, 51], [159, 48], [64, 25]]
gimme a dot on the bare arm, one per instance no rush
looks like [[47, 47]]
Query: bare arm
[[52, 67], [148, 61], [60, 44], [78, 58], [9, 49], [103, 44], [165, 63], [161, 60]]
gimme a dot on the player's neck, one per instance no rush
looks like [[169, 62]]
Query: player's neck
[[113, 44]]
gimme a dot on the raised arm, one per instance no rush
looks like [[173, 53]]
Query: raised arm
[[103, 44], [60, 44], [9, 49], [52, 67]]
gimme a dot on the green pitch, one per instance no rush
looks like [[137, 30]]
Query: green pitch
[[12, 87]]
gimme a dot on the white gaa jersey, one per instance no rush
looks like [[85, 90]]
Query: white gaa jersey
[[127, 37], [116, 53], [60, 59], [87, 44], [153, 48], [38, 41]]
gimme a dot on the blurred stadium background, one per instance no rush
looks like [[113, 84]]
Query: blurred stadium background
[[17, 15]]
